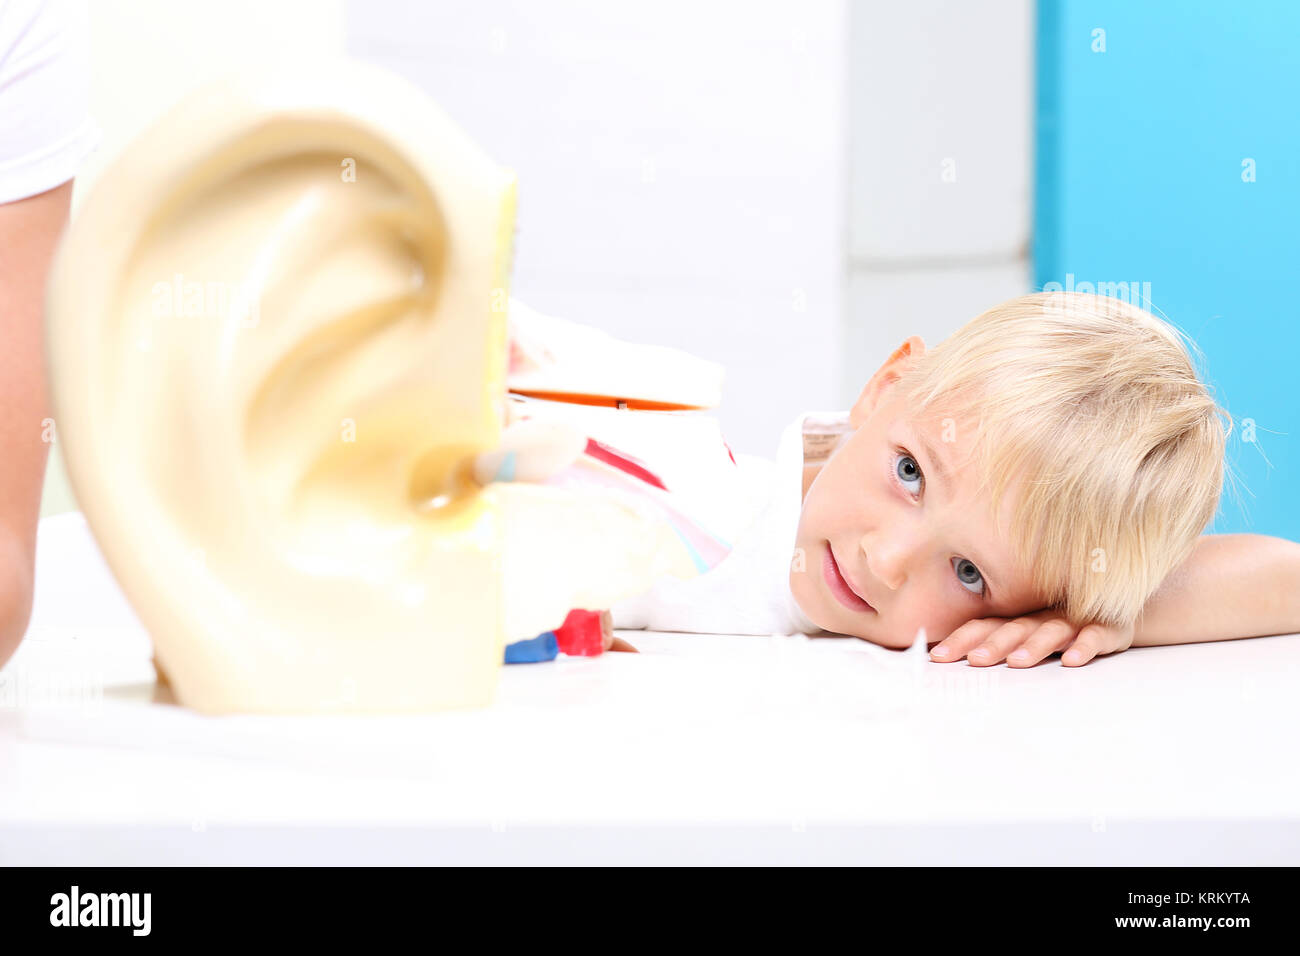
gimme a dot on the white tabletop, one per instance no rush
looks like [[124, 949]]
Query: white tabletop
[[701, 748]]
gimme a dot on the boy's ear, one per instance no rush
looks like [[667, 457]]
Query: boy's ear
[[888, 373]]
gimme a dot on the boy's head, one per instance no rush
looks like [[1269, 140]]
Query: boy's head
[[1057, 451]]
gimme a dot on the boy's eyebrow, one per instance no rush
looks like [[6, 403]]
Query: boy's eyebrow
[[942, 468]]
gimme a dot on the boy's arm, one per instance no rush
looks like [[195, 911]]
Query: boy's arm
[[1233, 585]]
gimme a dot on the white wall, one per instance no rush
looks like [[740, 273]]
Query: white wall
[[681, 170], [937, 86], [147, 54]]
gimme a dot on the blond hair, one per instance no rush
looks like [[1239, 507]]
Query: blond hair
[[1090, 409]]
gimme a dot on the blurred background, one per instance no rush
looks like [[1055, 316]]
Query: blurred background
[[792, 188]]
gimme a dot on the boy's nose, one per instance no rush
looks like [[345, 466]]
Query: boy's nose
[[887, 558]]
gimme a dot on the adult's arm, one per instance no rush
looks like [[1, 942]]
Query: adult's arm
[[29, 230]]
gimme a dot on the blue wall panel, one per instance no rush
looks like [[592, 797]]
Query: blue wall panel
[[1141, 150]]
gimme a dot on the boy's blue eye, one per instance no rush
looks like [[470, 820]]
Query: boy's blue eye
[[907, 469], [968, 575]]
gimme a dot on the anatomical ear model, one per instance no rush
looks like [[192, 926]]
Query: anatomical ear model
[[277, 344]]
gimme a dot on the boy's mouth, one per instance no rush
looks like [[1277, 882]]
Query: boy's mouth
[[839, 585]]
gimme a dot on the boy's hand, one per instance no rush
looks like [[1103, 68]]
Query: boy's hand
[[1024, 641]]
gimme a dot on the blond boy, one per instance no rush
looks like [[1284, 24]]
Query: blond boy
[[1039, 482]]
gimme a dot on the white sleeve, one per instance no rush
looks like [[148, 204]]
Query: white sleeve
[[45, 127]]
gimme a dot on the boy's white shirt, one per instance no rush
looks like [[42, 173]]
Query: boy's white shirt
[[748, 592], [750, 502]]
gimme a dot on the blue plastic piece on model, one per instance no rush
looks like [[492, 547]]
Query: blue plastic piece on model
[[543, 647]]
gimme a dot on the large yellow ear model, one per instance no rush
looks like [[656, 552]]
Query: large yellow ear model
[[276, 332]]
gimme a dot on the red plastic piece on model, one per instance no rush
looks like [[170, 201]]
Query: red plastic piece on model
[[585, 633]]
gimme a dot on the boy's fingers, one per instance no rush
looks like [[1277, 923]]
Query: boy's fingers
[[969, 635], [1090, 642], [1004, 640], [1052, 636]]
